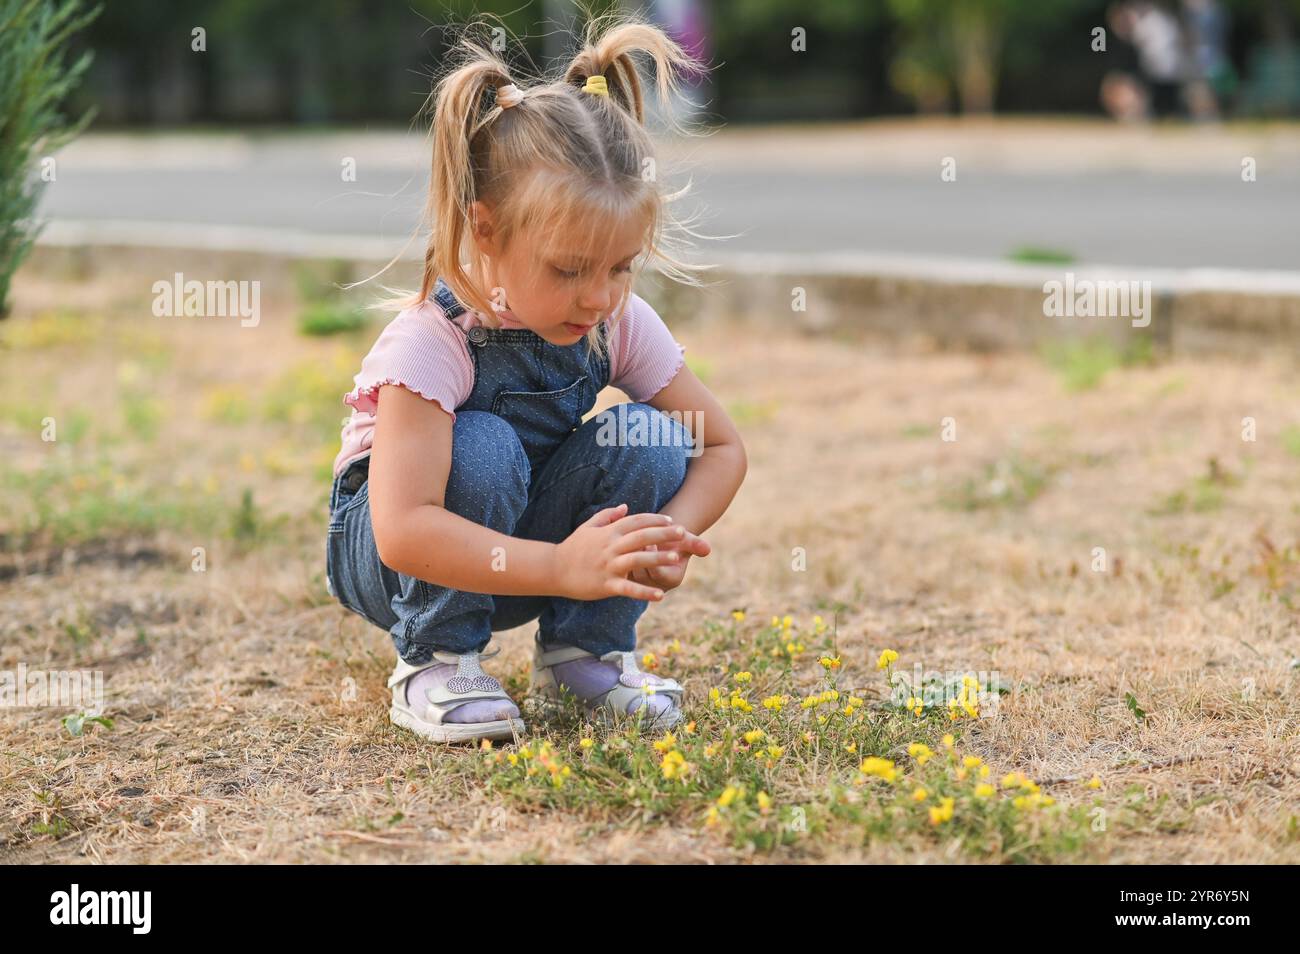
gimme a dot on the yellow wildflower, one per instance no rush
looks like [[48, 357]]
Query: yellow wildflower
[[881, 768], [920, 795], [673, 764], [920, 751], [830, 663], [764, 802], [754, 735], [744, 677], [738, 615], [886, 658], [774, 703], [1094, 782], [942, 812], [948, 741], [586, 743], [650, 661], [984, 790], [729, 795], [667, 743]]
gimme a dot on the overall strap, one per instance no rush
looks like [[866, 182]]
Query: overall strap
[[448, 302]]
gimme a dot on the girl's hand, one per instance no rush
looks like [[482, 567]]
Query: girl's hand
[[670, 576], [599, 556]]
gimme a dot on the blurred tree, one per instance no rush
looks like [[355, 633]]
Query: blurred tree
[[958, 45], [34, 79]]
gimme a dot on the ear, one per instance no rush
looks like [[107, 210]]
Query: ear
[[482, 228]]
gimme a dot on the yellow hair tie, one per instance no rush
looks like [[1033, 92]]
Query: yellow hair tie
[[596, 85]]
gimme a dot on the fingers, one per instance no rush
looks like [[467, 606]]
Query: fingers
[[639, 539], [625, 587], [636, 521], [608, 515], [631, 561]]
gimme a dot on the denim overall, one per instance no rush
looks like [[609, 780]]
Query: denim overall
[[525, 464]]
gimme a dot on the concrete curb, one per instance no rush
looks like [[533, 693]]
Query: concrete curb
[[981, 305]]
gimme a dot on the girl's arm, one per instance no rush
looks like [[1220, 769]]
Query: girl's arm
[[713, 477], [415, 533]]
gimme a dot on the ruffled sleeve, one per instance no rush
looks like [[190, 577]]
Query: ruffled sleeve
[[423, 352], [644, 356]]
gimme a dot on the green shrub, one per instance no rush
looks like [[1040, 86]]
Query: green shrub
[[34, 79]]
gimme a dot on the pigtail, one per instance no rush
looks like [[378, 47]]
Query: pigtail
[[459, 113], [610, 48]]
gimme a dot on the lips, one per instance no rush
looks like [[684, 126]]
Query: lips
[[579, 329]]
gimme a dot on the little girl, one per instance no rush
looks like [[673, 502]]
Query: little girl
[[469, 495]]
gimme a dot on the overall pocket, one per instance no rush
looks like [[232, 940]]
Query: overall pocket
[[542, 419]]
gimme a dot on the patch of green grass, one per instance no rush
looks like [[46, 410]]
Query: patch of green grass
[[775, 760], [1083, 363], [325, 310], [49, 329], [1011, 482], [1291, 439], [1038, 255], [142, 414], [66, 500], [321, 319], [309, 395], [1205, 493]]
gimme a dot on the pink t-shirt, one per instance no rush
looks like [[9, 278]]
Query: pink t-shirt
[[420, 350]]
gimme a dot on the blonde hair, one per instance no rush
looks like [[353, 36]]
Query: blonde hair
[[557, 161]]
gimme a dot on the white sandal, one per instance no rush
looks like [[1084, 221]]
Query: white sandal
[[610, 707], [470, 684]]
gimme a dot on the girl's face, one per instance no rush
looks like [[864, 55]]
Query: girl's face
[[562, 289]]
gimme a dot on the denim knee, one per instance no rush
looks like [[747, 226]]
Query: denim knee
[[489, 475], [652, 448]]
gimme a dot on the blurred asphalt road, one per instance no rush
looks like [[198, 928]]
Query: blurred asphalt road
[[1172, 198]]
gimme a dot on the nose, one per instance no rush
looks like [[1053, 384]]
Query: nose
[[599, 297]]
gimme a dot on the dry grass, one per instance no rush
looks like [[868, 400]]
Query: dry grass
[[237, 736]]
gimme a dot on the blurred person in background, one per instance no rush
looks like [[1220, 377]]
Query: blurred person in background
[[1157, 38], [1213, 80]]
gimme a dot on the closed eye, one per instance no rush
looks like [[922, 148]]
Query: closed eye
[[571, 274]]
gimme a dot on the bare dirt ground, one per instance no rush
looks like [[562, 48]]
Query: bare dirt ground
[[249, 713]]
